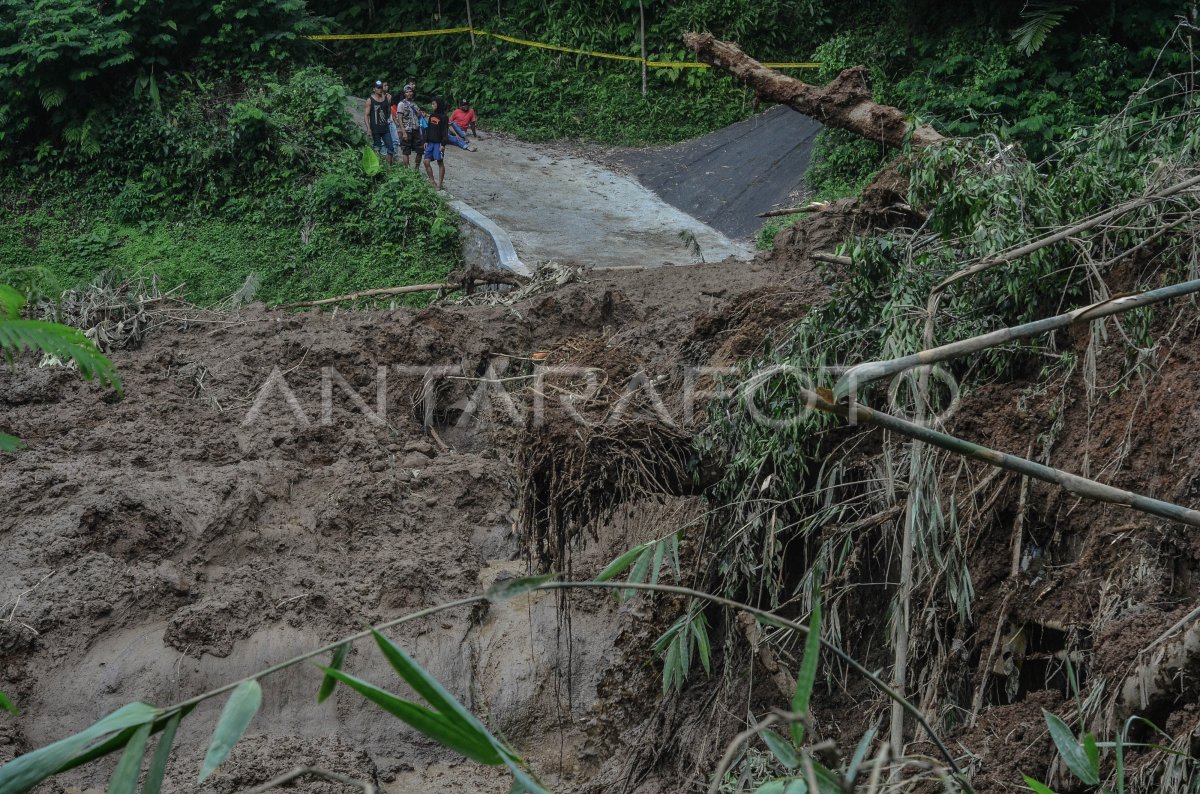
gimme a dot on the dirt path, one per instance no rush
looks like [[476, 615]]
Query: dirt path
[[571, 209]]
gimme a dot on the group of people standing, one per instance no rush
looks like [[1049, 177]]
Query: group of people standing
[[398, 124]]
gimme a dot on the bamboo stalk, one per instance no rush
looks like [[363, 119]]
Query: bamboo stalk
[[369, 293], [1072, 483], [874, 370]]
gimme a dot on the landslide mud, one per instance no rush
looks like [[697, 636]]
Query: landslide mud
[[212, 523], [161, 545]]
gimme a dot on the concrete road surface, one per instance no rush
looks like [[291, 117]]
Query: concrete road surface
[[573, 210]]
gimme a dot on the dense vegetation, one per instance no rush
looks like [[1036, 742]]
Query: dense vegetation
[[142, 143], [203, 141]]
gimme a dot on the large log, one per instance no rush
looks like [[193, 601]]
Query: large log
[[845, 103]]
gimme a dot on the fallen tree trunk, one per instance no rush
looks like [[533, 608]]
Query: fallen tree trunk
[[845, 103]]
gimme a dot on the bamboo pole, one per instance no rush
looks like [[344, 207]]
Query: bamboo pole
[[874, 370], [1073, 483], [372, 293]]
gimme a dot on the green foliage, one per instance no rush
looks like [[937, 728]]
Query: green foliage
[[265, 180], [1040, 19], [685, 637], [1082, 759], [541, 95], [23, 773], [962, 70], [329, 682], [57, 341], [807, 676], [61, 60], [764, 239], [239, 710], [7, 705], [801, 481]]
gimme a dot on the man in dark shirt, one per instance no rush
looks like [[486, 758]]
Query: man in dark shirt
[[437, 135], [378, 115]]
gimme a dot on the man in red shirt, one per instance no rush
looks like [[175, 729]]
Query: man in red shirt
[[464, 117]]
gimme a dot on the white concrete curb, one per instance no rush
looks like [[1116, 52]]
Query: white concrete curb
[[506, 254]]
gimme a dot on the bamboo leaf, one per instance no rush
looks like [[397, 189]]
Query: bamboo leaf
[[10, 444], [618, 566], [5, 703], [1093, 753], [1074, 756], [158, 764], [112, 743], [125, 776], [860, 752], [807, 676], [670, 664], [24, 772], [241, 707], [1036, 787], [328, 682], [638, 574], [434, 725], [453, 713], [675, 554], [784, 752], [783, 786], [511, 588], [660, 548]]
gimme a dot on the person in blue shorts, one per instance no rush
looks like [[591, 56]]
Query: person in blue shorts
[[437, 135]]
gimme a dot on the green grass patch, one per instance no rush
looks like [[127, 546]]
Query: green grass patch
[[55, 246]]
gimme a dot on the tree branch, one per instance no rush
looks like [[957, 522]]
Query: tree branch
[[845, 103]]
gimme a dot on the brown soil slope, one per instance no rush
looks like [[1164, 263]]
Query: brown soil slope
[[160, 545]]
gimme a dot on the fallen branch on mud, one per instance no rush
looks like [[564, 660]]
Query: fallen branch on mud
[[311, 771], [845, 103], [1080, 486], [374, 293], [816, 206], [874, 370]]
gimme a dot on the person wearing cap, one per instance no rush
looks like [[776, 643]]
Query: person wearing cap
[[378, 114], [464, 118]]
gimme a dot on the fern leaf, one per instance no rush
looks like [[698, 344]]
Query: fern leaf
[[62, 342], [53, 97], [1040, 20]]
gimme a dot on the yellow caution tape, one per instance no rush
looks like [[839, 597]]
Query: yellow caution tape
[[543, 46], [406, 34]]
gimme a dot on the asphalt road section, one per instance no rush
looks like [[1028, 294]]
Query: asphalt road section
[[727, 177], [569, 209]]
